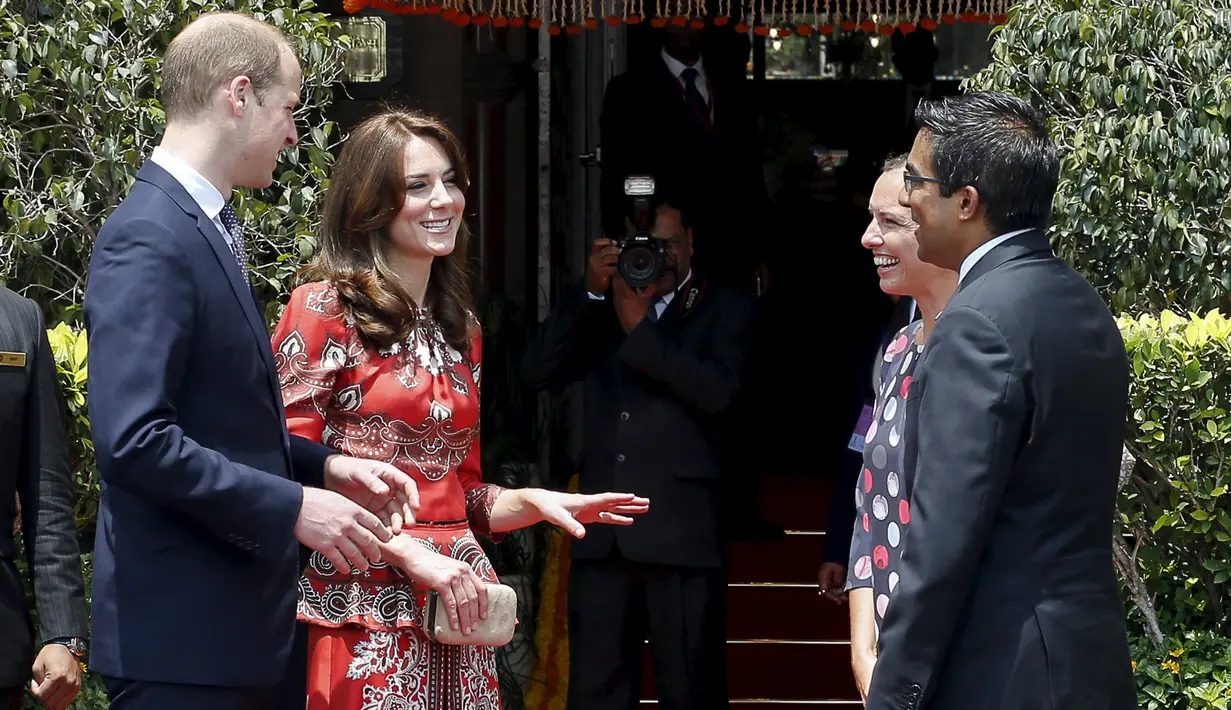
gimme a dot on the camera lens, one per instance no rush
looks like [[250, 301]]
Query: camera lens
[[638, 265]]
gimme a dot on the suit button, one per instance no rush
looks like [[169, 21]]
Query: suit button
[[231, 538], [624, 416], [620, 458]]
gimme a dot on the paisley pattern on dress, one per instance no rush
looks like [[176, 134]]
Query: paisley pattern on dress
[[414, 406]]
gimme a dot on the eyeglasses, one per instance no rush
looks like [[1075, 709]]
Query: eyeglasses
[[910, 179]]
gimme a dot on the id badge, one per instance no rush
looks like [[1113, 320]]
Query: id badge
[[861, 429]]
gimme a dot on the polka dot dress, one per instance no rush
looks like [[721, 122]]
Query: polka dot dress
[[882, 497]]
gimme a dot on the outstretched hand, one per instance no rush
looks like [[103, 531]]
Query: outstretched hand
[[376, 486], [573, 511]]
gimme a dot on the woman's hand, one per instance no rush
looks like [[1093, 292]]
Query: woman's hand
[[863, 638], [573, 511], [463, 593], [863, 663]]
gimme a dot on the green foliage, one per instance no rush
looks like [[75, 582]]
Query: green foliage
[[1176, 504], [1191, 671], [1139, 93], [70, 347], [79, 114]]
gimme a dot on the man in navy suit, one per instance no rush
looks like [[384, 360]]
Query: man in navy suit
[[204, 494], [1014, 427]]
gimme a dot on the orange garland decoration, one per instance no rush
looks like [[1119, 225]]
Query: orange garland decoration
[[577, 15]]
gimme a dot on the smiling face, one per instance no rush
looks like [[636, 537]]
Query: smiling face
[[431, 215], [890, 235]]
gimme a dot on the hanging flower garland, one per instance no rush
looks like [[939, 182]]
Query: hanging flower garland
[[573, 16]]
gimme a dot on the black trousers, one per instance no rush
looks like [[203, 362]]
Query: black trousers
[[145, 695], [614, 605], [10, 698]]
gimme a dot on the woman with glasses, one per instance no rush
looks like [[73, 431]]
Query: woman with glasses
[[882, 495]]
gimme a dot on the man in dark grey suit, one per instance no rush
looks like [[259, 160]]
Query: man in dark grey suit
[[1007, 598], [34, 469]]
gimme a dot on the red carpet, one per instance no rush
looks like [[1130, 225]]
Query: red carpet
[[787, 648]]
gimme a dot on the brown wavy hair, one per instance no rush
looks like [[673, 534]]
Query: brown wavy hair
[[366, 192]]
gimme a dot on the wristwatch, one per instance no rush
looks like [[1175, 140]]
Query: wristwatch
[[75, 646]]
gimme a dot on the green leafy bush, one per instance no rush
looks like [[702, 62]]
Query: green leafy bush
[[1139, 92], [79, 114], [1176, 504], [70, 346], [1190, 671]]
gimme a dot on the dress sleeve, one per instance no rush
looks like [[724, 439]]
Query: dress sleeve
[[480, 496], [310, 349], [859, 567]]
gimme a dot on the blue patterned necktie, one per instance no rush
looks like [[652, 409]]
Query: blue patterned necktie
[[231, 222]]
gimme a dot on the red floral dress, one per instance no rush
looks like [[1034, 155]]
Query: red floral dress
[[415, 406]]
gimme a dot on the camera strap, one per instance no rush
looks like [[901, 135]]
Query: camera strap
[[692, 296]]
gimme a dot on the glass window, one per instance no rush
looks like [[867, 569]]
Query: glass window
[[963, 49]]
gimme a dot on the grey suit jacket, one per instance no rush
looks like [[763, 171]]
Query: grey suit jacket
[[34, 466], [1014, 424]]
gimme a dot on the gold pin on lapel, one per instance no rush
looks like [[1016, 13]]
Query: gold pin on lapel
[[12, 359]]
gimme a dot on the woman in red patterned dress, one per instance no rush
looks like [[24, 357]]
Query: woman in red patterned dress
[[380, 357]]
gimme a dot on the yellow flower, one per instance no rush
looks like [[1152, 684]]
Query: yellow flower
[[1171, 666], [1177, 653], [1134, 665]]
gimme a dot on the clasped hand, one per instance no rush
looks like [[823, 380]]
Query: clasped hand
[[363, 503], [57, 677], [462, 592], [631, 305]]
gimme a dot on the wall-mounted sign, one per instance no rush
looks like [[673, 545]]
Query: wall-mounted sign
[[366, 60]]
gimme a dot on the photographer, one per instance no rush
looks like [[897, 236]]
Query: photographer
[[661, 366]]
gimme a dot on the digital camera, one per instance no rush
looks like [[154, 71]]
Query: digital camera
[[642, 257]]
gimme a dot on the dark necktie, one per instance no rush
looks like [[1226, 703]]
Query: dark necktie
[[696, 102], [231, 222], [654, 304]]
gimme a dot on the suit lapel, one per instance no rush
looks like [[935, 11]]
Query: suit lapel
[[156, 176], [1031, 242]]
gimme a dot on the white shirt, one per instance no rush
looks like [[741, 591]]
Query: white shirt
[[661, 302], [202, 191], [677, 68], [974, 256]]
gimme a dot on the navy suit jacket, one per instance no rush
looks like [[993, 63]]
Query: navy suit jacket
[[195, 562]]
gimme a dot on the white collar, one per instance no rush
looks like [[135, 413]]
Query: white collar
[[974, 256], [677, 67], [200, 189], [666, 297]]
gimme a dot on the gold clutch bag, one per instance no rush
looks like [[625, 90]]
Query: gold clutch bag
[[495, 630]]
